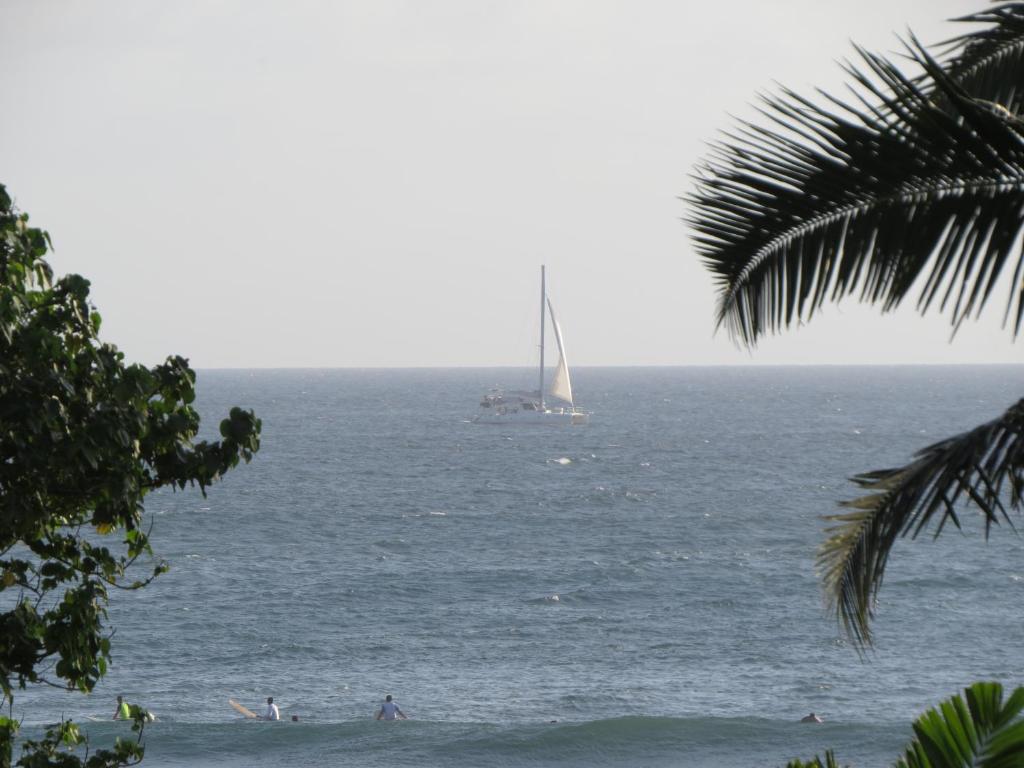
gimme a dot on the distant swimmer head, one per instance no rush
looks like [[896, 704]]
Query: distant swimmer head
[[295, 718]]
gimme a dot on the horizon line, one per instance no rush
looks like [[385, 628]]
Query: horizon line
[[595, 367]]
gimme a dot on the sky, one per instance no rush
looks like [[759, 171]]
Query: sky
[[322, 183]]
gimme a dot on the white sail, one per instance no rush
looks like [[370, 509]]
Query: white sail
[[560, 384], [505, 407]]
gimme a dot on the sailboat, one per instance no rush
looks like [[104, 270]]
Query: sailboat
[[555, 406]]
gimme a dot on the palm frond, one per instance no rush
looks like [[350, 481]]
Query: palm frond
[[978, 729], [863, 196], [984, 467], [989, 63]]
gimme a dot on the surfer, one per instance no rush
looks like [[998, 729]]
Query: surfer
[[271, 712], [390, 710], [811, 718], [122, 712]]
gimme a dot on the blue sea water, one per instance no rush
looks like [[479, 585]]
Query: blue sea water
[[637, 592]]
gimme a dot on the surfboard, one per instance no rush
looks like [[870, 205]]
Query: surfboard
[[93, 718], [247, 712]]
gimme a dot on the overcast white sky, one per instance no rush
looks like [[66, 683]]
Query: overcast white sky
[[376, 182]]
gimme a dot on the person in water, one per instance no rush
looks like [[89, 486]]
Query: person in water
[[271, 712], [811, 718], [390, 710], [122, 712]]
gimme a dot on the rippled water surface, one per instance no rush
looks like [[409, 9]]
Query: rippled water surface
[[646, 581]]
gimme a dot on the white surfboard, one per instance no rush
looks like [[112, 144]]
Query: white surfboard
[[247, 712], [150, 719]]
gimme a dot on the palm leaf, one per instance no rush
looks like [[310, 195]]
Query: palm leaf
[[984, 466], [978, 729], [989, 63], [868, 197]]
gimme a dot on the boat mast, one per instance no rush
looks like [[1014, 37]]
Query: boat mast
[[543, 296]]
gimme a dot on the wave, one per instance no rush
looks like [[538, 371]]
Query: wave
[[622, 741]]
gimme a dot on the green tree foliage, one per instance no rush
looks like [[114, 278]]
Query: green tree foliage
[[913, 187], [83, 438]]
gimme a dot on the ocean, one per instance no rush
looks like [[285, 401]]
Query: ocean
[[638, 592]]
